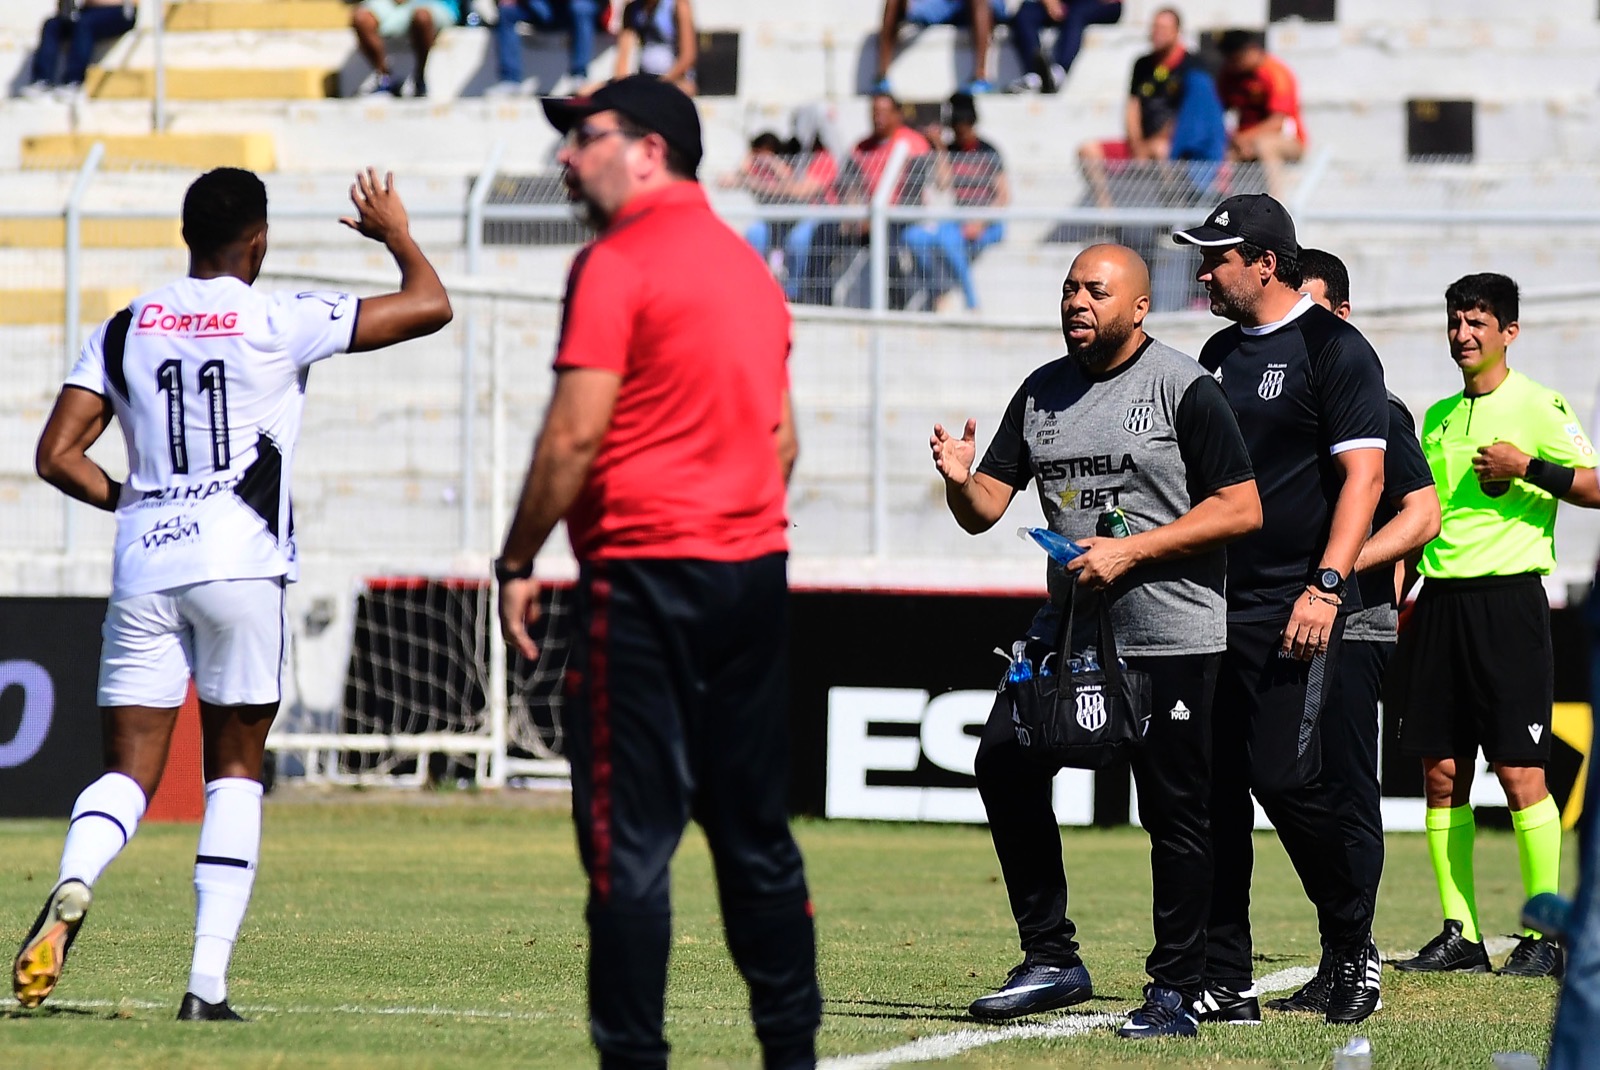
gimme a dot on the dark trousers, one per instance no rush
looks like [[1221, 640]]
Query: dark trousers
[[1173, 774], [1266, 741], [676, 708], [91, 24], [1031, 17], [1350, 755]]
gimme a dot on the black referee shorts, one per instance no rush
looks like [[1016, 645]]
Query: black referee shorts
[[1481, 673]]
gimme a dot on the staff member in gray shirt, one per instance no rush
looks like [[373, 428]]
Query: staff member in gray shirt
[[1124, 422]]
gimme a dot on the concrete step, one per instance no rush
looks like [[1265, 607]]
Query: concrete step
[[46, 306], [221, 83], [149, 233], [189, 150], [258, 15]]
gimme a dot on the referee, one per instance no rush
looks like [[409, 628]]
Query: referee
[[1405, 520], [1308, 391], [1504, 451], [1120, 421], [667, 446]]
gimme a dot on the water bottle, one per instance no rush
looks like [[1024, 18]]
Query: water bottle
[[1356, 1055], [1113, 523], [1021, 669], [1060, 548], [1515, 1060]]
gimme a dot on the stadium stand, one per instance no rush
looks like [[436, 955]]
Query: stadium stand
[[259, 84]]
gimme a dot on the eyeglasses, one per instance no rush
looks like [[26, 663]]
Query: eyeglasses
[[581, 137]]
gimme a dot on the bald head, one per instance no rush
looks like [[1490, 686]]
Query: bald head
[[1104, 300]]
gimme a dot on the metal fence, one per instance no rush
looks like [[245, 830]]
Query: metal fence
[[410, 459]]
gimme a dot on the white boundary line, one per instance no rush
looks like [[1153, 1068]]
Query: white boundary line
[[949, 1045]]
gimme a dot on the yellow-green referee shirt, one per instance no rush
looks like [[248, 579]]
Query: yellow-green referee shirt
[[1515, 531]]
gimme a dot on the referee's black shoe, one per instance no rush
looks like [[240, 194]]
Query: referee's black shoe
[[1353, 989], [1535, 956], [1311, 997], [1033, 987], [1218, 1003], [1449, 951], [195, 1009]]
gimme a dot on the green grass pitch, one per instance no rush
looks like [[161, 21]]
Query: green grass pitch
[[447, 931]]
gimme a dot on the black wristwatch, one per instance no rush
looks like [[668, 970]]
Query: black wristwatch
[[504, 574], [1328, 581]]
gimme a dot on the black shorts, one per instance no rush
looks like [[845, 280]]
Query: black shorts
[[1479, 671], [1269, 704]]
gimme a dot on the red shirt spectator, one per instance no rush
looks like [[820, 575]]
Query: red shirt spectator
[[1257, 95], [686, 469]]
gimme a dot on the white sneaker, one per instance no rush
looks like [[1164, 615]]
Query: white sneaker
[[566, 86], [1028, 83], [66, 94], [1058, 78], [35, 91], [374, 83], [504, 90]]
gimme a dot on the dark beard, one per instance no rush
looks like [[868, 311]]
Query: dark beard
[[1107, 340]]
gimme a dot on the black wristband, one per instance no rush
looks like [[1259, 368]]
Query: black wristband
[[503, 574], [1554, 479]]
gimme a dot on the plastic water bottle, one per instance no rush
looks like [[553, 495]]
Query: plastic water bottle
[[1060, 548], [1021, 669], [1356, 1055], [1515, 1060]]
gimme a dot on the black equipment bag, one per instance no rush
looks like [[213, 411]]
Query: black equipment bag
[[1082, 720]]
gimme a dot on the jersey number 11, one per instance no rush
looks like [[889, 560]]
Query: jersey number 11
[[213, 383]]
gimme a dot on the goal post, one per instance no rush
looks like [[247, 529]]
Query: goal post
[[431, 693]]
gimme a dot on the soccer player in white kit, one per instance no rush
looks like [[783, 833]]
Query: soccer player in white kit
[[207, 378]]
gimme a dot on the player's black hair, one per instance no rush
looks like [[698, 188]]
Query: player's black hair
[[1286, 270], [963, 109], [1236, 41], [677, 163], [1487, 292], [220, 206], [1321, 264], [766, 141]]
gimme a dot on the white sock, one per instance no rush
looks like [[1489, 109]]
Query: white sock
[[224, 873], [103, 821]]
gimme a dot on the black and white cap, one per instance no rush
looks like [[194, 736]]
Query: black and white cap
[[1250, 217]]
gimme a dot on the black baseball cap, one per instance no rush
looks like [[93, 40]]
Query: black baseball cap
[[646, 100], [1250, 217]]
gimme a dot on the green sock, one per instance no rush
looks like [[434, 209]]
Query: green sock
[[1538, 831], [1450, 835]]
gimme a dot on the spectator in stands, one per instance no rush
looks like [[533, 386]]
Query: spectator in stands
[[972, 170], [1262, 94], [78, 25], [858, 180], [420, 20], [1172, 112], [980, 15], [580, 18], [1072, 18], [662, 32], [776, 172]]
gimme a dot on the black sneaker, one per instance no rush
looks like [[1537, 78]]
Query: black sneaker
[[195, 1009], [1221, 1004], [1353, 991], [1032, 987], [1449, 951], [1535, 956], [1312, 997], [38, 964], [1163, 1015]]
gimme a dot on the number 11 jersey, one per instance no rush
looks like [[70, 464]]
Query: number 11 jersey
[[207, 378]]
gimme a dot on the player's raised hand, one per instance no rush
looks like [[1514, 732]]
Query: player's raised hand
[[953, 457], [519, 610], [379, 213]]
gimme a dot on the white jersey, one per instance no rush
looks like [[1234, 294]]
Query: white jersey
[[207, 378]]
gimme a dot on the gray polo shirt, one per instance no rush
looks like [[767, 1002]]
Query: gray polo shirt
[[1152, 437]]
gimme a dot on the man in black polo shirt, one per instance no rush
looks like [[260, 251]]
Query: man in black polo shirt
[[1308, 391], [1405, 520]]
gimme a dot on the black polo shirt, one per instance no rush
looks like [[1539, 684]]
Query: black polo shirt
[[1304, 389]]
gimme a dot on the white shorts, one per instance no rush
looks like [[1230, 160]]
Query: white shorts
[[228, 634]]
